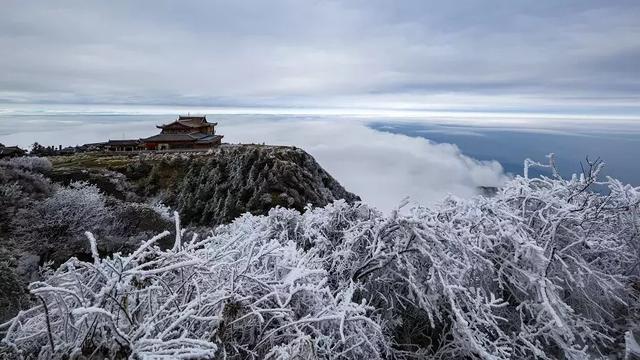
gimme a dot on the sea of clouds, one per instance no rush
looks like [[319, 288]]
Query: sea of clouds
[[382, 168]]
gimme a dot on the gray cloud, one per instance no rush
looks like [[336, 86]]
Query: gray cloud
[[409, 54]]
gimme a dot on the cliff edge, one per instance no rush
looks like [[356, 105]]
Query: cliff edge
[[209, 188]]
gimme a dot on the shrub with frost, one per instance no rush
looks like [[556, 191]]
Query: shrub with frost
[[31, 184], [31, 163], [234, 293], [546, 268], [57, 223], [80, 206]]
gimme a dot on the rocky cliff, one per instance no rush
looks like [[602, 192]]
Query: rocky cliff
[[209, 188]]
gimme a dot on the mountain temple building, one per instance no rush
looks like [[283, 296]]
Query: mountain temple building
[[10, 151], [187, 132], [122, 145]]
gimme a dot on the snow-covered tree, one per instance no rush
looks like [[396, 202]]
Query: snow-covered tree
[[56, 224], [80, 206]]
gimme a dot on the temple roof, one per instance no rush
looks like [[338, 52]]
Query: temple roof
[[192, 137], [209, 139], [202, 118], [123, 142], [189, 121], [11, 150]]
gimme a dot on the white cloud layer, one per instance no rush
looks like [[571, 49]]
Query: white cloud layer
[[382, 168]]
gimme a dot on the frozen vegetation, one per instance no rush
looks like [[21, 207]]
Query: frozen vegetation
[[47, 204], [546, 268], [44, 222], [210, 188]]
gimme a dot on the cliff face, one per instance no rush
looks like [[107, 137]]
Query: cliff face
[[210, 188], [239, 179]]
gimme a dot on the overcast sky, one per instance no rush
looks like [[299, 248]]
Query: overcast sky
[[522, 56]]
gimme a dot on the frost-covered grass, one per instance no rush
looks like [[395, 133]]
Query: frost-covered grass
[[546, 269]]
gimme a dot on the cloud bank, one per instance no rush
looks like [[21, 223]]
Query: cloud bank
[[382, 168]]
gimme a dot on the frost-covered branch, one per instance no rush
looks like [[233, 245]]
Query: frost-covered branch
[[546, 269]]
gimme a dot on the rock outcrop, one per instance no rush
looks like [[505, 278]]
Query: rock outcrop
[[210, 188]]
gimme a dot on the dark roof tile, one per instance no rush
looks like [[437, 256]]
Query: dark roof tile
[[209, 139], [175, 137], [190, 121], [123, 142]]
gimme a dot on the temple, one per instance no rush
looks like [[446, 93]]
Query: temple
[[187, 132], [11, 151]]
